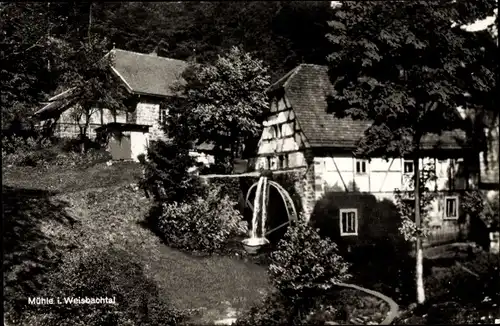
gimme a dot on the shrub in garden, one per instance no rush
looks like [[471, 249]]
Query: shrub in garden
[[166, 172], [273, 310], [487, 266], [110, 273], [306, 264], [25, 151], [472, 203], [203, 225], [229, 186]]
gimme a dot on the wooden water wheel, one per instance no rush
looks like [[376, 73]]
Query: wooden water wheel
[[281, 210]]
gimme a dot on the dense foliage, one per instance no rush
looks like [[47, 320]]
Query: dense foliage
[[106, 273], [166, 172], [223, 104], [304, 264], [18, 151], [52, 54], [474, 204], [203, 225], [407, 66], [450, 299], [282, 34], [406, 208], [273, 310], [43, 41]]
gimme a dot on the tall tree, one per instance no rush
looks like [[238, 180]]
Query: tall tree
[[34, 37], [24, 40], [403, 65], [273, 31], [225, 102], [86, 73]]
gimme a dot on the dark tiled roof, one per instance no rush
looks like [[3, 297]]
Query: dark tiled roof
[[307, 88], [143, 74], [148, 74]]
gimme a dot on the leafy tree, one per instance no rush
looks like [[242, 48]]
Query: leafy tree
[[282, 34], [43, 50], [404, 66], [482, 102], [85, 72], [224, 103], [406, 207], [25, 58], [166, 172]]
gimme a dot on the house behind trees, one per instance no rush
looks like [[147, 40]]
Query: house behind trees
[[299, 134], [151, 80]]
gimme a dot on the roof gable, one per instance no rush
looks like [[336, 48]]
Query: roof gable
[[148, 74], [307, 88]]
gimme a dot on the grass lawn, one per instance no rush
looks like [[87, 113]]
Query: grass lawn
[[52, 213]]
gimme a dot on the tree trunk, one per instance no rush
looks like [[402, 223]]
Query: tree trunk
[[83, 134], [418, 223], [90, 22]]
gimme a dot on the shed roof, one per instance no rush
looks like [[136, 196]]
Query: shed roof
[[307, 88]]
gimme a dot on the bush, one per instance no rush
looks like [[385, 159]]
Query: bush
[[37, 152], [278, 309], [75, 144], [454, 283], [304, 263], [274, 310], [487, 266], [229, 186], [166, 173], [24, 151], [108, 273], [204, 225], [449, 283]]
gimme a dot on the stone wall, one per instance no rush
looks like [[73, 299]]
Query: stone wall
[[149, 114]]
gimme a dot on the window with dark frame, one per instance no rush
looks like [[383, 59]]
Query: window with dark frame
[[348, 221], [277, 131], [361, 166], [163, 115], [282, 162], [273, 163], [451, 207], [408, 166]]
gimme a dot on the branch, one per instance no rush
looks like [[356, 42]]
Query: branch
[[26, 50]]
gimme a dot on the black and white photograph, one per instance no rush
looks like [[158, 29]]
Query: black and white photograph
[[250, 163]]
